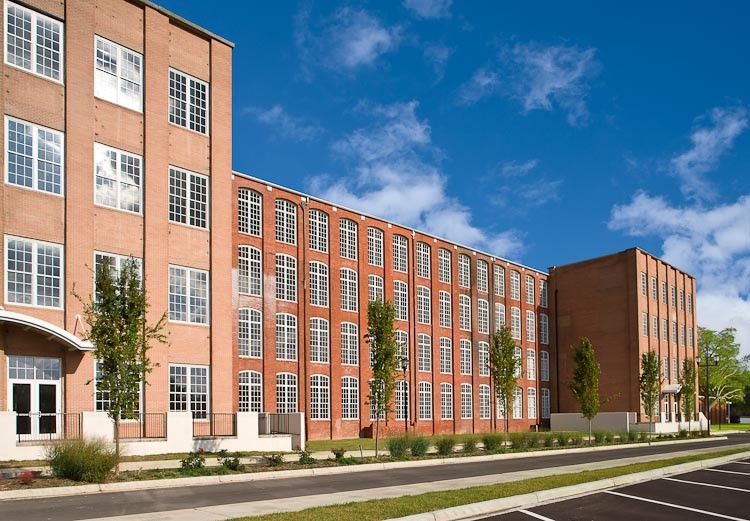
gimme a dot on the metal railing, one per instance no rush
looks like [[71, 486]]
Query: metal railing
[[215, 424], [143, 425], [37, 426], [272, 423]]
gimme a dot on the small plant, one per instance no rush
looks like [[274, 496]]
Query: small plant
[[338, 454], [599, 437], [548, 439], [632, 436], [644, 436], [563, 439], [682, 434], [229, 462], [81, 460], [275, 460], [418, 446], [398, 446], [445, 445], [27, 477], [470, 444], [575, 440], [193, 461], [492, 442], [305, 458]]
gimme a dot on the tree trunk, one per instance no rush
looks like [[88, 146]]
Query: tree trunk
[[117, 444], [590, 440], [377, 431]]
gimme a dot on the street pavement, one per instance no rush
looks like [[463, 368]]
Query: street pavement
[[203, 503]]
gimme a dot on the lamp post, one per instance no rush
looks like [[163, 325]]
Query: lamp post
[[707, 362], [404, 361]]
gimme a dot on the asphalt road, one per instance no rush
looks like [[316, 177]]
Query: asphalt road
[[79, 507], [720, 492]]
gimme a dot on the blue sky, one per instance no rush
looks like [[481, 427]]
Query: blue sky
[[543, 132]]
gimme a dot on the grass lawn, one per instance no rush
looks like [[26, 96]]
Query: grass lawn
[[369, 443], [379, 509], [730, 427]]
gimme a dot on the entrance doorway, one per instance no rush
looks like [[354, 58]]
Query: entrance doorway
[[34, 390]]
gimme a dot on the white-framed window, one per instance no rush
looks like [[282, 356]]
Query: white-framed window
[[544, 365], [372, 397], [517, 354], [374, 247], [401, 300], [682, 300], [664, 329], [444, 265], [531, 364], [464, 312], [499, 275], [250, 333], [188, 101], [483, 316], [530, 326], [188, 389], [250, 391], [286, 221], [286, 393], [664, 292], [543, 293], [118, 74], [485, 409], [690, 337], [349, 290], [402, 345], [320, 344], [644, 284], [531, 402], [318, 284], [188, 295], [286, 277], [655, 327], [320, 397], [249, 271], [499, 316], [423, 260], [400, 253], [530, 289], [402, 400], [424, 305], [50, 370], [518, 403], [673, 294], [654, 289], [464, 270], [483, 349], [543, 329], [349, 398], [515, 285], [465, 356], [467, 407], [545, 404], [515, 322], [286, 336], [424, 353], [445, 309], [482, 276], [425, 400], [375, 288], [349, 343], [500, 408], [682, 334], [446, 355], [690, 302], [673, 338], [348, 239], [249, 212], [118, 178], [446, 401], [34, 156], [665, 368], [674, 369], [318, 230], [33, 42], [116, 265]]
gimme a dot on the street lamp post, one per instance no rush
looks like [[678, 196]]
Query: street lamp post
[[404, 366], [708, 362]]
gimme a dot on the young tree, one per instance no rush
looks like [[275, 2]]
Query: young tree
[[728, 379], [585, 384], [122, 337], [689, 389], [505, 368], [381, 337], [650, 386]]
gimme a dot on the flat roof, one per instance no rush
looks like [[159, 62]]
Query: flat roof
[[353, 210], [185, 23], [636, 248]]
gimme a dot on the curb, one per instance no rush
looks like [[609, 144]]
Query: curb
[[497, 506], [153, 484]]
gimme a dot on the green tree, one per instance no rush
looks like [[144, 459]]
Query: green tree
[[122, 337], [505, 368], [728, 379], [649, 384], [585, 383], [382, 340], [688, 380]]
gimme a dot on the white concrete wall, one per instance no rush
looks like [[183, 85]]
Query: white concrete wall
[[604, 421]]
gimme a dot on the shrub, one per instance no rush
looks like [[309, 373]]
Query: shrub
[[305, 458], [27, 477], [229, 462], [81, 460], [275, 460], [516, 440], [600, 437], [194, 460], [338, 454], [575, 440], [492, 442], [682, 434], [418, 446], [563, 439], [548, 439], [632, 436], [470, 444], [445, 445], [398, 446]]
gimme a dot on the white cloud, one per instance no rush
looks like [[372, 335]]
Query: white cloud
[[429, 8], [396, 180], [437, 55], [712, 136], [516, 169], [509, 189], [349, 39], [286, 126], [483, 83], [713, 244]]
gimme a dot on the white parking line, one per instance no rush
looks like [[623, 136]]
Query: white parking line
[[729, 472], [742, 462], [706, 484], [535, 515], [672, 505]]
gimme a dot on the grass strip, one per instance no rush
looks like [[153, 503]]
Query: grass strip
[[379, 509]]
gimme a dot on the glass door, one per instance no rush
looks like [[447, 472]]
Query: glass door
[[34, 388]]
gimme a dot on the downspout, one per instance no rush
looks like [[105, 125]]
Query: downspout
[[412, 354], [557, 356], [302, 360]]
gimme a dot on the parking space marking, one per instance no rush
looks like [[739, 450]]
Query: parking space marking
[[672, 505], [729, 472], [535, 515], [742, 462], [706, 484]]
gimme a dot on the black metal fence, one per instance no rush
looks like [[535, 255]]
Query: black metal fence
[[215, 424], [49, 426], [143, 425]]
